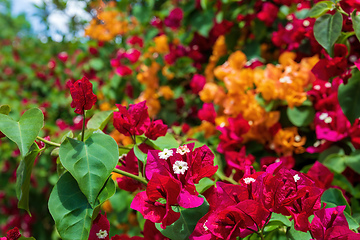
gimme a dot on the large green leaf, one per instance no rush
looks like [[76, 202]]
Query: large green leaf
[[353, 161], [185, 225], [23, 174], [356, 23], [168, 141], [301, 116], [349, 97], [320, 9], [24, 132], [90, 162], [99, 120], [335, 196], [70, 209], [327, 29]]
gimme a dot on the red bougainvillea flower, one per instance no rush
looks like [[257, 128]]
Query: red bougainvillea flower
[[155, 203], [135, 40], [156, 129], [82, 94], [100, 228], [13, 234], [238, 161], [197, 83], [174, 19], [207, 113], [133, 121], [322, 176], [268, 13]]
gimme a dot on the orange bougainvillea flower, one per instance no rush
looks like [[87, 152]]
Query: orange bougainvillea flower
[[287, 140], [161, 44], [166, 92], [208, 93]]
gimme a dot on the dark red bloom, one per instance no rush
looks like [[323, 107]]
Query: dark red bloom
[[133, 121], [82, 95], [100, 228], [322, 176], [156, 129], [13, 234], [268, 13], [174, 19], [135, 40]]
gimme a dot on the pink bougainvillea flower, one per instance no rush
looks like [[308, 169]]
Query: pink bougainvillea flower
[[289, 161], [326, 218], [133, 40], [100, 228], [82, 94], [322, 176], [155, 203], [123, 70], [174, 19], [13, 234], [133, 55], [133, 121], [268, 13], [207, 113], [156, 129], [63, 56], [238, 161], [197, 83]]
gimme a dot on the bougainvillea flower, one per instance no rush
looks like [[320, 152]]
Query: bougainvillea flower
[[123, 70], [322, 176], [197, 83], [13, 234], [268, 13], [326, 218], [82, 94], [155, 203], [156, 129], [174, 19], [207, 113], [135, 40], [133, 121], [289, 161], [341, 233], [133, 55], [238, 161], [100, 228]]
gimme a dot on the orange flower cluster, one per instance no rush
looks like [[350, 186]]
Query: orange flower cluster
[[239, 89], [109, 23]]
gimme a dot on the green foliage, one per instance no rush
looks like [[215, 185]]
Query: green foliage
[[301, 116], [320, 9], [327, 30], [100, 120], [90, 162], [349, 97], [356, 23], [185, 225], [335, 196], [24, 132]]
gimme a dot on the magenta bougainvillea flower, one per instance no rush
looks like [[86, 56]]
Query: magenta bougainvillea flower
[[135, 40], [82, 94], [155, 204], [322, 176], [123, 70], [156, 129], [207, 113], [12, 234], [268, 13], [174, 19], [100, 228], [197, 83], [133, 121]]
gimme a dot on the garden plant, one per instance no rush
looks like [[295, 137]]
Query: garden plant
[[194, 119]]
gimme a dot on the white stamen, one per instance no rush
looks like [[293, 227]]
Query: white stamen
[[122, 156], [180, 167], [317, 87], [328, 85], [323, 116], [248, 180], [205, 227], [272, 146], [182, 150], [285, 79], [251, 123], [296, 177], [289, 26], [297, 138], [102, 234], [353, 58], [165, 154], [277, 160], [328, 120], [306, 23], [316, 144]]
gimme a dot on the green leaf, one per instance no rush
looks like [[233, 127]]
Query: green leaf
[[353, 161], [301, 116], [96, 63], [281, 218], [90, 162], [23, 174], [297, 235], [99, 120], [24, 132], [353, 224], [356, 23], [185, 225], [349, 97], [335, 196], [202, 22], [320, 9], [70, 209], [108, 190], [139, 154], [168, 141], [204, 184], [25, 238], [5, 109], [335, 162], [327, 29]]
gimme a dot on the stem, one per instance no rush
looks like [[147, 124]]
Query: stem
[[137, 178], [261, 235], [48, 142], [224, 178], [83, 127], [124, 147]]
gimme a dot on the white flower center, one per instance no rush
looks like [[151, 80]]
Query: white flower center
[[165, 154], [323, 116], [277, 160], [285, 79], [249, 180], [205, 227], [306, 23], [317, 87], [180, 167], [296, 177], [289, 26], [182, 150], [297, 138], [317, 143], [122, 156], [328, 85], [328, 120], [102, 234]]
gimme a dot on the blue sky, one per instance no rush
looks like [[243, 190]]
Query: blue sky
[[58, 20]]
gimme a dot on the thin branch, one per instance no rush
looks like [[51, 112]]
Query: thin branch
[[48, 142], [137, 178]]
